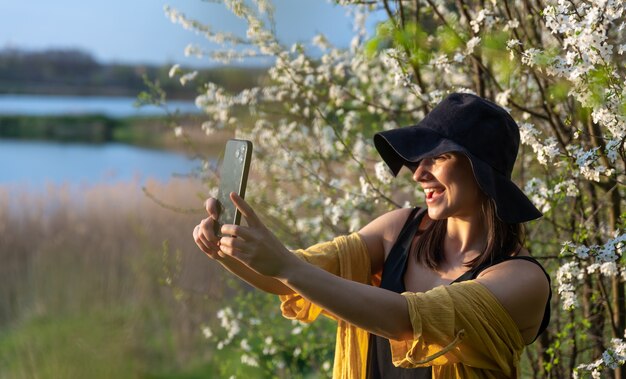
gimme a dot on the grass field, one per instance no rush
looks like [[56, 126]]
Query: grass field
[[89, 280]]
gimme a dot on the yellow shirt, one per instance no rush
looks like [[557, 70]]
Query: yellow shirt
[[461, 330]]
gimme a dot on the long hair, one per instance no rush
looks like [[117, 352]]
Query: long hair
[[503, 239]]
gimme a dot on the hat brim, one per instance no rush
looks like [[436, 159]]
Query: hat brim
[[408, 146]]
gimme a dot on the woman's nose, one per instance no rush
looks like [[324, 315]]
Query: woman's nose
[[422, 171]]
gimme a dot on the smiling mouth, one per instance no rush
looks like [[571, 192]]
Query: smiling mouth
[[433, 193]]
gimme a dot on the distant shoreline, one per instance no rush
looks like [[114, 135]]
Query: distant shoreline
[[71, 72], [75, 72], [153, 131]]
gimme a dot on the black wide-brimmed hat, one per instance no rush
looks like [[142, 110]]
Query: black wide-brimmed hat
[[476, 127]]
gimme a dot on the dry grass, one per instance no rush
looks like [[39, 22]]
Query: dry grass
[[95, 258]]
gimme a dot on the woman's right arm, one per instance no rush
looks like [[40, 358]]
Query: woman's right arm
[[379, 236], [208, 242]]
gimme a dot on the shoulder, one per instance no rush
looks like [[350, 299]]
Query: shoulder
[[521, 265], [523, 289], [386, 227], [380, 234], [526, 274], [391, 220]]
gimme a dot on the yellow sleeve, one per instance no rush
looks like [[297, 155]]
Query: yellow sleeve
[[461, 323], [344, 256]]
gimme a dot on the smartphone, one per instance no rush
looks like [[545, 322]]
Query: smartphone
[[233, 178]]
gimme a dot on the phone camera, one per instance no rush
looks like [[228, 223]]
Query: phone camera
[[240, 153]]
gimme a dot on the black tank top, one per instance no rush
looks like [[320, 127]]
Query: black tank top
[[379, 364]]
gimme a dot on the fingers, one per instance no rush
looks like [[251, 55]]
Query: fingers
[[203, 244], [207, 228], [246, 210], [236, 241], [232, 246], [238, 231], [212, 207], [210, 249], [206, 239]]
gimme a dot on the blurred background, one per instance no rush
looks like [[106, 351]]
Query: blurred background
[[99, 276]]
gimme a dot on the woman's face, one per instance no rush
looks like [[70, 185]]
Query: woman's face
[[449, 186]]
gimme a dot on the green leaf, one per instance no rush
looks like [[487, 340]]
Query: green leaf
[[449, 41], [559, 91]]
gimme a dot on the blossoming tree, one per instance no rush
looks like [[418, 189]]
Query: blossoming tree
[[557, 66]]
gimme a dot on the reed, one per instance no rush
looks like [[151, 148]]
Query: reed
[[102, 282]]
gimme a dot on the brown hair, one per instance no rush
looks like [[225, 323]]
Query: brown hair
[[503, 240]]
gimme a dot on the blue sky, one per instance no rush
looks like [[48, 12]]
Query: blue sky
[[137, 31]]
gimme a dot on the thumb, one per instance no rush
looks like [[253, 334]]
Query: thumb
[[212, 207]]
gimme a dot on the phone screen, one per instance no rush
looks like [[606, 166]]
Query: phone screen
[[233, 178]]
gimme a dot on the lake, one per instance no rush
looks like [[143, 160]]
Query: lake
[[114, 107], [35, 164]]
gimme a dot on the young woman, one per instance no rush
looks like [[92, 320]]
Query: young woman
[[444, 291]]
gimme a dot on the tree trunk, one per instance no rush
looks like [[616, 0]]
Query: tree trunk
[[617, 288]]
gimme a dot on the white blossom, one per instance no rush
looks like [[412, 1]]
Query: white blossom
[[383, 173], [245, 346], [458, 57], [484, 17], [510, 44], [567, 276], [321, 42], [326, 366], [613, 357], [366, 187], [249, 360], [502, 98], [530, 56], [355, 224], [269, 348], [511, 24], [174, 70], [539, 194], [178, 131], [297, 330], [188, 77], [206, 332], [441, 63], [392, 58], [471, 45]]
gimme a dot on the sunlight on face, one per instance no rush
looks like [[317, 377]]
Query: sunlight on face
[[449, 185]]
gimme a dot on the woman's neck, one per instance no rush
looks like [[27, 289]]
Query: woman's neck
[[465, 239]]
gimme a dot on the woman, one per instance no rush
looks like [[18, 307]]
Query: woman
[[446, 291]]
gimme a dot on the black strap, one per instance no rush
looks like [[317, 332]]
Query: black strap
[[379, 364], [395, 263], [415, 216]]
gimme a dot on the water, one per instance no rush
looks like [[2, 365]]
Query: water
[[36, 164], [115, 107]]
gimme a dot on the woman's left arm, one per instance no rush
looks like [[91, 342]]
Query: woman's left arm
[[524, 297], [376, 310]]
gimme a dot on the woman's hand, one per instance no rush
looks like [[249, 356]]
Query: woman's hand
[[254, 245], [229, 256], [204, 232]]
